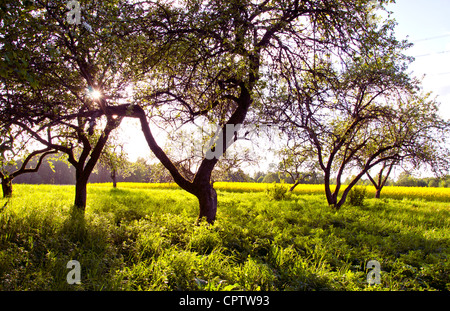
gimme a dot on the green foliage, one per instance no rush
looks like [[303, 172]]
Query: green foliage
[[357, 195], [146, 239], [406, 180], [271, 178], [277, 191]]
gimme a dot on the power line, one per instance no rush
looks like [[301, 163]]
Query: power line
[[433, 38], [437, 74], [442, 73], [435, 53]]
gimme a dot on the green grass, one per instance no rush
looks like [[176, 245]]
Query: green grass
[[146, 239]]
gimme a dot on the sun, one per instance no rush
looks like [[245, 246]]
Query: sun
[[93, 93], [96, 94]]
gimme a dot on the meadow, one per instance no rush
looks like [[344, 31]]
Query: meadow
[[145, 237]]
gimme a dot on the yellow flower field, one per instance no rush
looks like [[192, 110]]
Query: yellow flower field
[[426, 193]]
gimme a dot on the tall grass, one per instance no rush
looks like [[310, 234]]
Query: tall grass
[[146, 239]]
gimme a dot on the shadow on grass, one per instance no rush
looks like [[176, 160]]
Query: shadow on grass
[[75, 225], [119, 191]]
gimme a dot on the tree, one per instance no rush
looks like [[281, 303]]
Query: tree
[[405, 179], [259, 176], [140, 171], [297, 161], [381, 179], [355, 109], [271, 177], [219, 55], [445, 182], [115, 159], [12, 147], [364, 131], [425, 139], [433, 182], [58, 78]]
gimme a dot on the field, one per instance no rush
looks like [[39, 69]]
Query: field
[[144, 237], [429, 194]]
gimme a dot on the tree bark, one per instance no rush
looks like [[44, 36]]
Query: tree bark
[[207, 198], [114, 179], [81, 194], [329, 196], [378, 193], [338, 204], [295, 185], [7, 187]]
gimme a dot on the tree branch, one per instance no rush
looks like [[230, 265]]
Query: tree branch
[[23, 168]]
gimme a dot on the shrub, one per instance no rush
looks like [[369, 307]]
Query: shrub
[[357, 195], [277, 192]]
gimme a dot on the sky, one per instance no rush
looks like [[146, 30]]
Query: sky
[[425, 23]]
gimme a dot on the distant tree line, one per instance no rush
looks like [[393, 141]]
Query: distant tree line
[[56, 171], [406, 179]]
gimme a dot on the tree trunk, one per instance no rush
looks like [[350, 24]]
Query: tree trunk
[[114, 179], [207, 198], [330, 198], [84, 171], [7, 187], [81, 194], [378, 193], [293, 187], [337, 206]]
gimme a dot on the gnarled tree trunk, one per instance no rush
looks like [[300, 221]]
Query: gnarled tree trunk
[[207, 198], [83, 171], [7, 187], [81, 194], [294, 185]]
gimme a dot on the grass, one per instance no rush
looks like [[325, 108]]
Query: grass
[[140, 238]]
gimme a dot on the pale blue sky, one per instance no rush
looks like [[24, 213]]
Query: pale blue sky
[[427, 25]]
